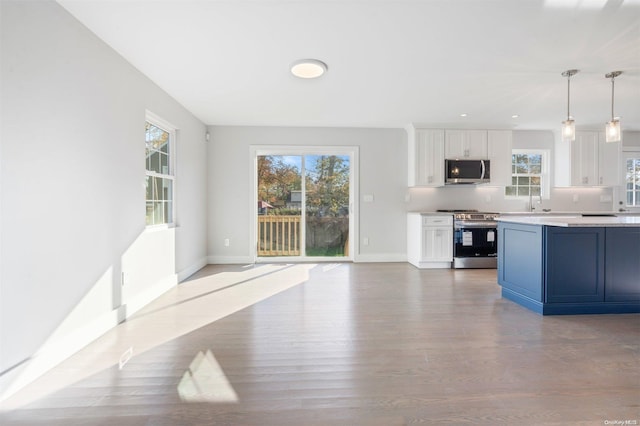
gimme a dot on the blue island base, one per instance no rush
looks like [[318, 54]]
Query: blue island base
[[555, 270], [571, 308]]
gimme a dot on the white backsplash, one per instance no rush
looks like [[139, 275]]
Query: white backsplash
[[492, 199]]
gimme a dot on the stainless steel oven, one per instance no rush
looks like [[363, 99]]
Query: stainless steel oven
[[475, 240]]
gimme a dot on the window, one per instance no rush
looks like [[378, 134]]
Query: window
[[529, 173], [159, 140], [632, 180]]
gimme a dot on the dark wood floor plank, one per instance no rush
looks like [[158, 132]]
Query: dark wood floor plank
[[345, 344]]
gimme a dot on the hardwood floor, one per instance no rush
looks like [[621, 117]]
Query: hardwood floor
[[343, 344]]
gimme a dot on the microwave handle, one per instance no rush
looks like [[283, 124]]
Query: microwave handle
[[483, 170]]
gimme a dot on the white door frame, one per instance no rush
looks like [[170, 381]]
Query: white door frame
[[351, 151]]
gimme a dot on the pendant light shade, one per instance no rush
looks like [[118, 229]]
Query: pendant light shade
[[613, 132], [569, 125], [569, 130]]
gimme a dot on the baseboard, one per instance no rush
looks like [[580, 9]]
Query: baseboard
[[187, 272], [139, 301], [54, 352], [380, 258], [361, 258], [230, 260]]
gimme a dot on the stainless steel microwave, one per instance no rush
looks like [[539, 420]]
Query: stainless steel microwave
[[466, 171]]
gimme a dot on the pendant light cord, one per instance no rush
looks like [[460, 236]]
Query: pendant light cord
[[568, 94], [612, 75], [568, 74], [612, 92]]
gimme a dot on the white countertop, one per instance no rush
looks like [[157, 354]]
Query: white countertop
[[573, 221], [433, 213]]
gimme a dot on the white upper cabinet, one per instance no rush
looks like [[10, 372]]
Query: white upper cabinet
[[587, 161], [584, 159], [461, 144], [426, 157], [609, 161], [429, 147], [499, 147]]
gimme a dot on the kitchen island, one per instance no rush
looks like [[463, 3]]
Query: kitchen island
[[570, 264]]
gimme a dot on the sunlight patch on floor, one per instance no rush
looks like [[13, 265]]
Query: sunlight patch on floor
[[183, 309], [205, 381]]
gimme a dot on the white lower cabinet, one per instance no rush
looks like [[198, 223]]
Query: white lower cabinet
[[430, 240]]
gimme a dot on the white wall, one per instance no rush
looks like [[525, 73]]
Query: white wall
[[383, 171], [383, 166], [72, 191], [631, 141]]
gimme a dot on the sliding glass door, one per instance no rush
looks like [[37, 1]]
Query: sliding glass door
[[303, 204], [327, 205], [279, 205]]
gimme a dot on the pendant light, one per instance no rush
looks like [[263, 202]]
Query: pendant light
[[613, 132], [569, 126]]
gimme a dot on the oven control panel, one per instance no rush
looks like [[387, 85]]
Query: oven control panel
[[476, 216]]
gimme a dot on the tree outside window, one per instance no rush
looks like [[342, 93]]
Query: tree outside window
[[633, 182], [528, 174]]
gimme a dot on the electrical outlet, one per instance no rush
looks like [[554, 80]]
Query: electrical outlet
[[226, 242], [365, 241]]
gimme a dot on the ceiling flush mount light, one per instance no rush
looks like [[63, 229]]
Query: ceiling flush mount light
[[613, 131], [308, 68], [569, 126]]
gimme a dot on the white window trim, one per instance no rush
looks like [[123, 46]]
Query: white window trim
[[545, 178], [626, 155], [163, 124]]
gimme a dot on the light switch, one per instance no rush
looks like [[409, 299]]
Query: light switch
[[367, 198]]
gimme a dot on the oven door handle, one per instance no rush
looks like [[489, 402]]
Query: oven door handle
[[476, 225]]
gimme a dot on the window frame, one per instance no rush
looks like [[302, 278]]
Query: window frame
[[545, 179], [628, 155], [164, 125], [349, 150]]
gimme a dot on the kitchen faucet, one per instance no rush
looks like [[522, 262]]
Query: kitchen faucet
[[531, 207]]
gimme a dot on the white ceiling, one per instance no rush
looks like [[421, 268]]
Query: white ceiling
[[391, 62]]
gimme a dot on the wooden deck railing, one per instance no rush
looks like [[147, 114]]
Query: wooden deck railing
[[278, 235]]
